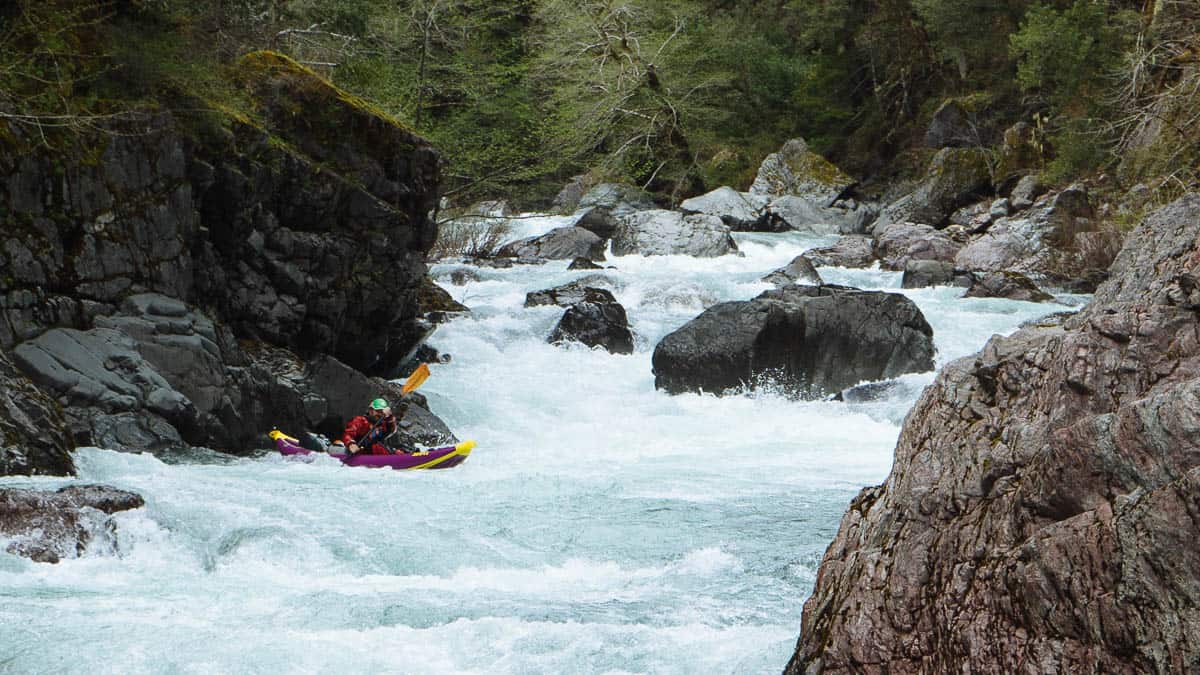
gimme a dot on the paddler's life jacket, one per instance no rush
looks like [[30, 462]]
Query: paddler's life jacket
[[359, 431]]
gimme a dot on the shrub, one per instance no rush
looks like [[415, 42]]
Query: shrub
[[472, 237]]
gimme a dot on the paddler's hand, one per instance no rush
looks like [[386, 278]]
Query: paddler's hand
[[352, 448]]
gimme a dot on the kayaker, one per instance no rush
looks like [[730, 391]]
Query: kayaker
[[366, 433]]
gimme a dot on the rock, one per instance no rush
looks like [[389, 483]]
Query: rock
[[598, 220], [660, 232], [49, 526], [850, 251], [582, 263], [1028, 189], [955, 177], [102, 370], [437, 304], [812, 340], [562, 243], [801, 213], [491, 208], [924, 273], [1040, 511], [795, 170], [1042, 241], [738, 211], [897, 244], [618, 199], [307, 228], [1021, 154], [999, 209], [568, 198], [1009, 285], [799, 271], [950, 128], [34, 437], [595, 324], [569, 294]]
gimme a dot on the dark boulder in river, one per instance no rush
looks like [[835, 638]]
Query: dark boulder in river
[[1043, 509], [813, 340], [595, 324]]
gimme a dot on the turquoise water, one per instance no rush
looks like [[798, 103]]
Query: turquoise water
[[599, 527]]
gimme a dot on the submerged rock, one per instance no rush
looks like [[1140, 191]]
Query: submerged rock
[[49, 526]]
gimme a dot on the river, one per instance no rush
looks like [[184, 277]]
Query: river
[[599, 527]]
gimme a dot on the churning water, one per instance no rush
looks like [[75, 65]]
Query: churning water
[[600, 527]]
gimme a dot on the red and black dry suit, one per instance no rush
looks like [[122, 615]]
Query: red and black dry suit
[[360, 431]]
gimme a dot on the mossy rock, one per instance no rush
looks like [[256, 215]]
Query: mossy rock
[[324, 122]]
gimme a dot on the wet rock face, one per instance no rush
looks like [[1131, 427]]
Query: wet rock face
[[33, 434], [595, 324], [812, 340], [304, 231], [1041, 513], [49, 526]]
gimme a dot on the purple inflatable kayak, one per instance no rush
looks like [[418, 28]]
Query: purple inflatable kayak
[[435, 458]]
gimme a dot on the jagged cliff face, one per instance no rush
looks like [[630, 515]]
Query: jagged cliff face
[[1043, 510], [136, 264]]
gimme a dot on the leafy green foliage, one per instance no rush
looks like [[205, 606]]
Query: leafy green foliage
[[1063, 55]]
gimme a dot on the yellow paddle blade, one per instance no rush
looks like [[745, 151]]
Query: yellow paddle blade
[[416, 379]]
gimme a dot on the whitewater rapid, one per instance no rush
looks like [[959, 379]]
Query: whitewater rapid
[[600, 526]]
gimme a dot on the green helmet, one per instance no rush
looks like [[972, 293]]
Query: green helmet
[[379, 404]]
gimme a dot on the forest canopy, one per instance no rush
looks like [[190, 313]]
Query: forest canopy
[[678, 96]]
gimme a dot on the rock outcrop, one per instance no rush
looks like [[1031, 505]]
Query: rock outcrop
[[1042, 510], [302, 225], [812, 340], [35, 437], [796, 170], [954, 178]]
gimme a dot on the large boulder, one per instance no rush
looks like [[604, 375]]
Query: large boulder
[[955, 177], [1040, 515], [1044, 240], [595, 324], [1008, 285], [924, 273], [813, 340], [851, 251], [50, 526], [951, 127], [806, 215], [34, 438], [900, 243], [569, 294], [796, 170], [799, 271], [661, 232], [561, 243], [619, 199], [741, 212]]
